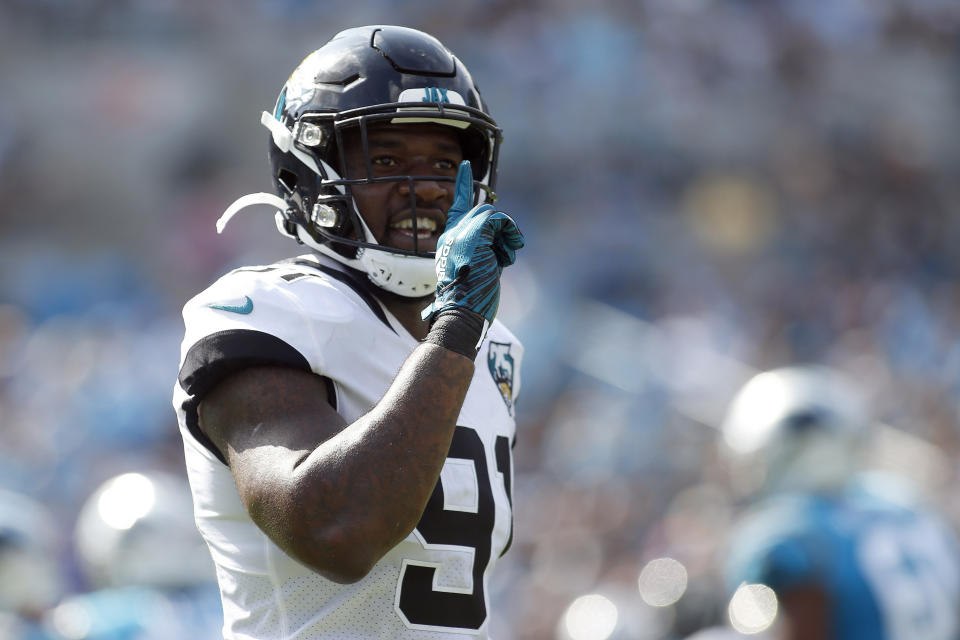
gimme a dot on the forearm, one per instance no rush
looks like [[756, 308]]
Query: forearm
[[367, 486]]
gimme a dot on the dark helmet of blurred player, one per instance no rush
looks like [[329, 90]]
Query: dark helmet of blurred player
[[798, 428], [367, 76], [139, 529]]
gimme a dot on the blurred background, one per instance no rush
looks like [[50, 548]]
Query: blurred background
[[708, 188]]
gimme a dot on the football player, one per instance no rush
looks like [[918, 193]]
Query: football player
[[848, 554], [347, 415], [147, 569]]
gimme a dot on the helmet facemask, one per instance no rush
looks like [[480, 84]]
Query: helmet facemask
[[329, 207], [324, 203]]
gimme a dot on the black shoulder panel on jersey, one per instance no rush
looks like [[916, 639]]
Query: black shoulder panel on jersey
[[218, 355], [354, 284]]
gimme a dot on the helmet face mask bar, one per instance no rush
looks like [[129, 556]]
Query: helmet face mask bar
[[363, 79]]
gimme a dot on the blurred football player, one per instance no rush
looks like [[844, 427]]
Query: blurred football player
[[31, 575], [347, 415], [847, 554], [147, 568]]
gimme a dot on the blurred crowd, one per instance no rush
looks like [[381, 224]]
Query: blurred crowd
[[708, 188]]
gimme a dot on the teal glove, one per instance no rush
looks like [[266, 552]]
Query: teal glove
[[475, 246]]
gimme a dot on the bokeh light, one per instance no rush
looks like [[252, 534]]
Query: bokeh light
[[753, 608], [590, 617], [662, 582], [127, 499], [71, 620]]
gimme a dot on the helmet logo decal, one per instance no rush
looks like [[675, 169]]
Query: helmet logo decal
[[434, 94], [431, 94], [500, 363], [297, 94]]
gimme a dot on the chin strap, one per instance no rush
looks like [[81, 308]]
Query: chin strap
[[250, 200], [406, 276]]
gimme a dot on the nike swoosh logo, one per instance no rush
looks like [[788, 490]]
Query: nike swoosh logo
[[244, 308]]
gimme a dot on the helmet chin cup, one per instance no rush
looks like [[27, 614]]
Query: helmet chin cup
[[407, 276]]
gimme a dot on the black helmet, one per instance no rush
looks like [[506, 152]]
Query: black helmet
[[368, 75]]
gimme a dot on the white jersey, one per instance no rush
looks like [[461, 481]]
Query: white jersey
[[309, 313]]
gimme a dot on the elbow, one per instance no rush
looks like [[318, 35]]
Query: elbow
[[341, 556], [339, 544], [343, 566], [344, 572]]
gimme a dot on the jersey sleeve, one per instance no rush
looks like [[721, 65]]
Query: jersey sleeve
[[254, 318]]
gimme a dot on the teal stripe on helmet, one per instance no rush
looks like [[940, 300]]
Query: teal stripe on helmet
[[281, 103]]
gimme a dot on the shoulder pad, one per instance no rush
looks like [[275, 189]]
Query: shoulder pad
[[277, 289]]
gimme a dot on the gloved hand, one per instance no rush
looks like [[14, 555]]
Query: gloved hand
[[475, 246]]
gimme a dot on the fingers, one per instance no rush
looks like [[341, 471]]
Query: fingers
[[482, 241], [515, 240], [495, 229], [463, 196], [505, 246], [505, 237], [512, 236], [505, 254], [499, 229], [506, 230]]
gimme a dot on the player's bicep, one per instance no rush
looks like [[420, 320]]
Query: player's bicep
[[265, 420]]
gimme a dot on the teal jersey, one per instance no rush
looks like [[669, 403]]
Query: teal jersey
[[889, 568]]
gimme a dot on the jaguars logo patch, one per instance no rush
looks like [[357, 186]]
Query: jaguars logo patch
[[501, 368]]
